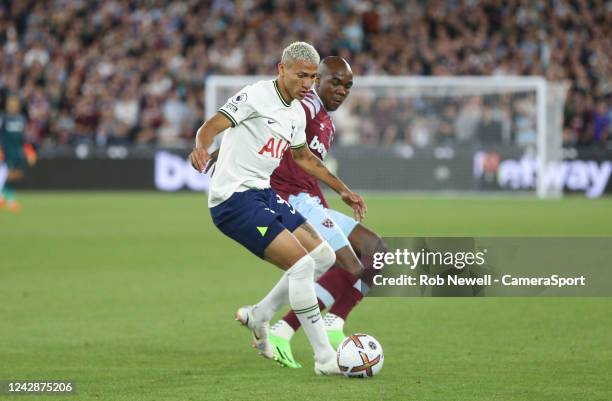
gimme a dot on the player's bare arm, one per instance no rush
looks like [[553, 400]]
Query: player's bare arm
[[211, 162], [315, 167], [206, 133]]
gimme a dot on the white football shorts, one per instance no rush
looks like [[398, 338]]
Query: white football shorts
[[334, 227]]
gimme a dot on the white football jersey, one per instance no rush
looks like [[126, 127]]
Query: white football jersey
[[264, 126]]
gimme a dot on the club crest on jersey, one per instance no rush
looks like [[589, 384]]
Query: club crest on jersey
[[239, 99], [275, 147], [327, 223], [318, 146]]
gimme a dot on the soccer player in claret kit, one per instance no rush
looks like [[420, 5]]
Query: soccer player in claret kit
[[338, 289], [261, 122]]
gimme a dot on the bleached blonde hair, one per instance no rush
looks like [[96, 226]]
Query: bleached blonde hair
[[301, 51]]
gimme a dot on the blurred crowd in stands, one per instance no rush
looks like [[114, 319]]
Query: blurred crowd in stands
[[132, 72], [414, 119]]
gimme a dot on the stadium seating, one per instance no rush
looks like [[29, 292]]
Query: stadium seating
[[118, 72]]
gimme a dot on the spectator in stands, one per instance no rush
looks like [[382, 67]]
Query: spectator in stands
[[125, 52]]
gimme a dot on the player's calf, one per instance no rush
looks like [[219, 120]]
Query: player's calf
[[347, 259], [366, 243]]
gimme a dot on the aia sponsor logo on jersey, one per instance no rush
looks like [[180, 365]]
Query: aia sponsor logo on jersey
[[318, 146], [275, 147], [327, 223]]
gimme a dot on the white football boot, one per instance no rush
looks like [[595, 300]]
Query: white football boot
[[330, 367], [259, 331]]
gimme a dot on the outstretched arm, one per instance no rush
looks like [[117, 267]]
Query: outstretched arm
[[206, 133], [315, 167]]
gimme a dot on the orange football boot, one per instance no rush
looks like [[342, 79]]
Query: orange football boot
[[14, 207]]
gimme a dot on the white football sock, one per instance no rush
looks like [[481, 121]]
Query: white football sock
[[274, 300], [282, 330], [304, 303], [324, 257], [333, 322]]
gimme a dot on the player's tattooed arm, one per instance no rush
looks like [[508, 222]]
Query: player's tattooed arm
[[315, 167], [206, 133]]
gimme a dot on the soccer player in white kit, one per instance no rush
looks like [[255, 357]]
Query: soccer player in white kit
[[261, 122]]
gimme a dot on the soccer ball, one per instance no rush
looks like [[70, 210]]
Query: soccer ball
[[360, 355]]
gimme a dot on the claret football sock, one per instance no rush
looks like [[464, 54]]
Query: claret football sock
[[345, 304], [336, 282]]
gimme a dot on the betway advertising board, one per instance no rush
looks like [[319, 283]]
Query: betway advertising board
[[588, 172]]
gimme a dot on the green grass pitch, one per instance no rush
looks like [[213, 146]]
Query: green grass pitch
[[133, 295]]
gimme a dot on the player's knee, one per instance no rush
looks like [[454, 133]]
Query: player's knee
[[301, 284], [303, 269], [373, 245], [379, 244], [324, 258]]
